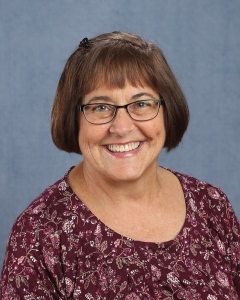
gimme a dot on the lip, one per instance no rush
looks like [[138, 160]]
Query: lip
[[127, 153]]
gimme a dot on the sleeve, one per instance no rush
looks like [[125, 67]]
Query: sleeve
[[30, 265], [232, 232], [234, 245]]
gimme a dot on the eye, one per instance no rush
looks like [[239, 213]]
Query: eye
[[100, 107], [142, 104]]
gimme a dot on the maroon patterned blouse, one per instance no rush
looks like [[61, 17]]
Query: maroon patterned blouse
[[59, 250]]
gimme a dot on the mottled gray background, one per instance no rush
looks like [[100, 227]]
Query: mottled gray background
[[201, 41]]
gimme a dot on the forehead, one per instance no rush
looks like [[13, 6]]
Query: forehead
[[127, 93]]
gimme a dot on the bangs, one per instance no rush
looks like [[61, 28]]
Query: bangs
[[113, 68]]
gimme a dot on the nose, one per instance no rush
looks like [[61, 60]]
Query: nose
[[122, 124]]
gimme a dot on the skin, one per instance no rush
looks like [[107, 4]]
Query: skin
[[127, 166], [152, 193]]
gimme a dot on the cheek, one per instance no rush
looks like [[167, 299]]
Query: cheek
[[90, 135], [158, 134], [85, 135], [157, 129], [160, 127]]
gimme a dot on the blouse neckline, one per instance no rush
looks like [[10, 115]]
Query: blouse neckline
[[163, 245]]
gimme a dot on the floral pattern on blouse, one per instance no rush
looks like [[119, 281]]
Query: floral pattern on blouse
[[58, 249]]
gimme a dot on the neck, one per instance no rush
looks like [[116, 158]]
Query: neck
[[95, 185]]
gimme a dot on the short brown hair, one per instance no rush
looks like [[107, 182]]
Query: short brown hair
[[112, 59]]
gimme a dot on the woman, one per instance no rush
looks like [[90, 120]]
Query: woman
[[118, 226]]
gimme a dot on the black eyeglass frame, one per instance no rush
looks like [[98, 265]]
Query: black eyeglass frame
[[116, 107]]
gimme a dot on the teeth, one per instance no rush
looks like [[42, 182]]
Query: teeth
[[123, 148]]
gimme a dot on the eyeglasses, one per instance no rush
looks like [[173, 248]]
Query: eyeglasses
[[102, 113]]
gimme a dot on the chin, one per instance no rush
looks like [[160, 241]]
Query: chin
[[124, 175]]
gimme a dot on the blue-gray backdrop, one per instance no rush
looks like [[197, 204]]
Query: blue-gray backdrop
[[201, 41]]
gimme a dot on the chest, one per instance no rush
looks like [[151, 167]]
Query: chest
[[157, 224], [113, 267]]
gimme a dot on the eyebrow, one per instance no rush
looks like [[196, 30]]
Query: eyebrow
[[141, 95], [102, 98], [108, 99]]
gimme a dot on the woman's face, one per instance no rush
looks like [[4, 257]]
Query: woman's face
[[124, 149]]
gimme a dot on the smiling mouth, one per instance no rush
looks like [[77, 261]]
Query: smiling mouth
[[123, 148]]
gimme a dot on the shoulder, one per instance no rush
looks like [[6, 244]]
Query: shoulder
[[209, 203], [44, 241], [199, 187], [53, 198], [54, 210], [37, 237], [209, 194], [203, 196]]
